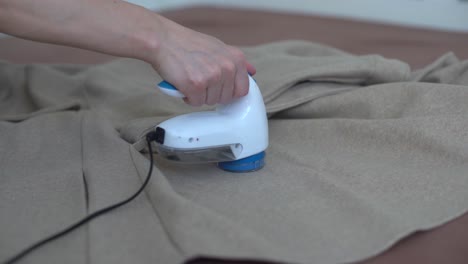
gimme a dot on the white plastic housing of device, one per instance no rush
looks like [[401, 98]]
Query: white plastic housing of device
[[241, 124]]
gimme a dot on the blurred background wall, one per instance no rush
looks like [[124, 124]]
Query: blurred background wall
[[451, 15]]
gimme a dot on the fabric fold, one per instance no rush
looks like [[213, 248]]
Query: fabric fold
[[363, 152]]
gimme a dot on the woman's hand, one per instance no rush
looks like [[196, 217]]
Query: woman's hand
[[203, 68]]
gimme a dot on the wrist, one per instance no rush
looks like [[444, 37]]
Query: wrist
[[148, 39]]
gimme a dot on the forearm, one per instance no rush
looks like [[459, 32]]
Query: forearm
[[109, 26], [205, 69]]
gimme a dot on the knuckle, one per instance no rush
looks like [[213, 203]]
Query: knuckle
[[215, 74], [197, 83], [238, 54], [229, 67]]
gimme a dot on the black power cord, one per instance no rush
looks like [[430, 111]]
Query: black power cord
[[149, 138]]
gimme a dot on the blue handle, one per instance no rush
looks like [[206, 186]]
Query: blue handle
[[167, 85]]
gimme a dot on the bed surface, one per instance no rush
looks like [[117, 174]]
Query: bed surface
[[417, 47]]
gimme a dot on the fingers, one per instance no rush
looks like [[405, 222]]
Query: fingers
[[241, 81], [228, 84], [205, 70], [215, 85], [195, 89], [219, 80], [205, 85], [241, 84]]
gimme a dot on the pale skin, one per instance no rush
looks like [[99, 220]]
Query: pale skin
[[205, 70]]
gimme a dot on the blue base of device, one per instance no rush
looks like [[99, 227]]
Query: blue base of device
[[251, 163]]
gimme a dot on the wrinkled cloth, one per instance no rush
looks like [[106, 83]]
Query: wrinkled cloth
[[362, 153]]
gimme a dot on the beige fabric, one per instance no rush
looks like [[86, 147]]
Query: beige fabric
[[362, 153]]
